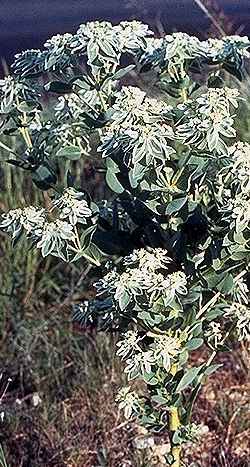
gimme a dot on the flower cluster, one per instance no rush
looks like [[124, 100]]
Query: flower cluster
[[240, 167], [129, 401], [214, 334], [219, 48], [57, 237], [140, 129], [54, 238], [29, 219], [132, 35], [180, 47], [133, 106], [73, 207], [241, 211], [239, 314], [142, 283], [166, 348], [163, 352], [148, 259], [208, 120]]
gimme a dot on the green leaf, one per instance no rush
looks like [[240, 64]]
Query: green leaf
[[175, 205], [44, 177], [92, 50], [86, 236], [111, 178], [124, 300], [122, 72], [72, 153], [108, 48], [150, 378], [113, 182], [212, 368], [227, 284], [194, 343], [92, 254], [212, 139], [188, 378], [59, 87]]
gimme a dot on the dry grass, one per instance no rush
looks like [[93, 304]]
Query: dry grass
[[76, 422]]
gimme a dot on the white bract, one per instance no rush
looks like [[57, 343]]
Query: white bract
[[54, 238], [73, 207], [240, 315], [129, 401]]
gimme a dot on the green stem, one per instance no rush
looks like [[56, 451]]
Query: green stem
[[174, 425], [4, 146]]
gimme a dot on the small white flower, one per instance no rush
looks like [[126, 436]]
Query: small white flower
[[240, 314], [240, 168], [128, 344], [149, 260], [31, 219], [55, 237], [131, 34], [36, 399], [58, 41], [139, 364], [129, 401], [73, 207], [240, 292], [174, 284], [167, 349], [241, 210], [214, 334]]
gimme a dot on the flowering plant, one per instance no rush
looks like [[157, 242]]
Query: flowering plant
[[175, 233]]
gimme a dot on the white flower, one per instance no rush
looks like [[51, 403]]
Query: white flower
[[240, 169], [128, 344], [55, 237], [167, 349], [173, 284], [240, 314], [131, 34], [152, 44], [241, 211], [96, 29], [181, 46], [139, 364], [152, 260], [73, 207], [133, 283], [129, 401], [31, 219], [216, 48], [240, 292], [58, 41], [218, 101], [214, 334]]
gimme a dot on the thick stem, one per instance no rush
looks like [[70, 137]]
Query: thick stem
[[174, 426]]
